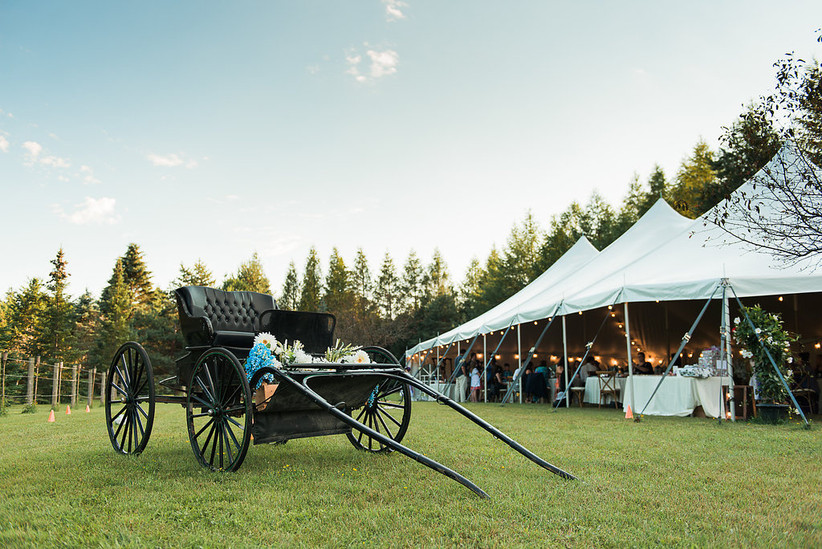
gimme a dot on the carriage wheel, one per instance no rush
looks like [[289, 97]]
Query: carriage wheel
[[218, 411], [387, 410], [130, 399]]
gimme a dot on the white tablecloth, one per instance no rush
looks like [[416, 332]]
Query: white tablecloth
[[593, 385], [677, 396]]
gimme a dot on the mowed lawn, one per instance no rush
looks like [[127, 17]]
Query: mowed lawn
[[664, 481]]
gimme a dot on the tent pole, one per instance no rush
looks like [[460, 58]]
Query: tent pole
[[630, 360], [518, 378], [456, 366], [485, 349], [685, 339], [565, 366], [488, 359], [588, 347], [726, 336], [773, 362], [519, 350]]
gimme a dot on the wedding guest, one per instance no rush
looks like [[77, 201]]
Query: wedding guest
[[475, 384], [591, 365], [643, 367]]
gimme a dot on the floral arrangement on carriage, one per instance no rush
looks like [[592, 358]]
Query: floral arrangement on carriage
[[267, 351], [764, 335]]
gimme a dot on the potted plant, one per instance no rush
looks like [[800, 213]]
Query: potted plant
[[767, 336]]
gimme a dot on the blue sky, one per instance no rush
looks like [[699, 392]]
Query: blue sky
[[216, 129]]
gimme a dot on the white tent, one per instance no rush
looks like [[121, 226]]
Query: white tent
[[693, 262], [577, 268], [663, 257], [578, 255]]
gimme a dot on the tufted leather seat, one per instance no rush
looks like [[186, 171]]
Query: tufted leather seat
[[210, 317]]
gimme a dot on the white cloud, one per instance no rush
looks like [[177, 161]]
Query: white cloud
[[88, 175], [33, 149], [4, 144], [93, 211], [55, 162], [393, 9], [383, 63], [170, 161]]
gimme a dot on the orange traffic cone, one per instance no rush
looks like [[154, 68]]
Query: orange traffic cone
[[87, 409], [629, 414], [51, 416], [68, 410]]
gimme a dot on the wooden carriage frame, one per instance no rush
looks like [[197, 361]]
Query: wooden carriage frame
[[369, 403]]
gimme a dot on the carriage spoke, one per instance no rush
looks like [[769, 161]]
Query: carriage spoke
[[202, 402], [390, 404], [120, 375], [127, 377], [227, 444], [204, 427], [139, 424], [205, 390], [233, 437], [211, 381], [380, 415], [124, 393], [115, 416], [389, 416], [385, 393], [235, 422], [213, 445], [220, 435], [119, 427]]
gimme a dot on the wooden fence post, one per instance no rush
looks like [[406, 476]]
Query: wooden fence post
[[55, 386], [102, 389], [30, 384], [91, 375], [74, 385], [36, 377], [3, 359]]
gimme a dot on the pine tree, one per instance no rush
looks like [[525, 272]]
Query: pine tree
[[471, 289], [57, 329], [311, 292], [387, 289], [746, 146], [412, 283], [26, 311], [437, 280], [249, 278], [86, 327], [116, 312], [361, 276], [197, 275], [137, 277], [337, 295], [291, 290]]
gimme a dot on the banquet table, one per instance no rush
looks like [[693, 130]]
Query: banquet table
[[594, 384], [677, 396]]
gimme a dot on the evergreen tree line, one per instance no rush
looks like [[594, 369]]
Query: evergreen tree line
[[395, 305]]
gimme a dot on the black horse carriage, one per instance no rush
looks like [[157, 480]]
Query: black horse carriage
[[370, 403]]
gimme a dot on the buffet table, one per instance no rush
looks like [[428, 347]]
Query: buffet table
[[677, 396]]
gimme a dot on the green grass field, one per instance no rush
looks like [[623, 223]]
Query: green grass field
[[664, 481]]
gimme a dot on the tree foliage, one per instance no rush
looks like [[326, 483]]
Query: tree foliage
[[782, 211], [250, 277]]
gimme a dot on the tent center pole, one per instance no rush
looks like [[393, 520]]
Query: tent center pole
[[630, 360], [565, 365]]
